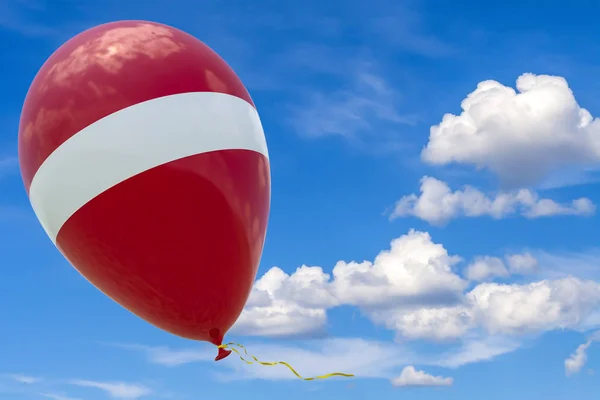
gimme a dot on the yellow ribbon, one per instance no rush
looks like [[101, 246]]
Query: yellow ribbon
[[273, 363]]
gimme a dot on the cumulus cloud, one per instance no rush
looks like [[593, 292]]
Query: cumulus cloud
[[437, 323], [484, 268], [522, 264], [490, 320], [521, 135], [414, 290], [438, 204], [284, 305], [534, 307], [117, 390], [411, 377], [414, 271], [501, 309]]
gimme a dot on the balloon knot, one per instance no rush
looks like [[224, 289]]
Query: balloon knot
[[223, 352]]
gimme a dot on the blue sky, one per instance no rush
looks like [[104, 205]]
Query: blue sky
[[492, 284]]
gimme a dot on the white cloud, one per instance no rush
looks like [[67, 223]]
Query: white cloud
[[20, 17], [56, 396], [502, 309], [118, 390], [26, 379], [534, 307], [522, 136], [414, 271], [476, 349], [284, 305], [430, 323], [577, 360], [484, 268], [404, 28], [410, 377], [413, 290], [367, 359], [172, 358], [7, 163], [555, 265], [162, 356], [522, 264], [356, 110], [438, 204]]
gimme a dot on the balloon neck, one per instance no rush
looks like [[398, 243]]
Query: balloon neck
[[222, 353]]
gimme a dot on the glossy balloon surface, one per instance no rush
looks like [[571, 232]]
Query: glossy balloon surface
[[179, 243]]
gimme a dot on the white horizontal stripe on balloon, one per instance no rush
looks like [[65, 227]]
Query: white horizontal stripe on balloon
[[134, 140]]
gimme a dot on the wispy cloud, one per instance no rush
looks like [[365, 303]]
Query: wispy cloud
[[577, 360], [477, 350], [405, 30], [560, 264], [364, 110], [118, 390], [171, 357], [365, 358], [8, 164], [56, 396], [20, 16], [570, 176], [49, 387], [25, 379]]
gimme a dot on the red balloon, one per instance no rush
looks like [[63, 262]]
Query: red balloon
[[145, 161]]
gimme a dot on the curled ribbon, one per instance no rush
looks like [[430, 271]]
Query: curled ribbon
[[273, 363]]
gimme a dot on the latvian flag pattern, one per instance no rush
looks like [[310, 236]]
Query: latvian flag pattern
[[145, 161]]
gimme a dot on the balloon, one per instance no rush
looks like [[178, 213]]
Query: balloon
[[145, 161]]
